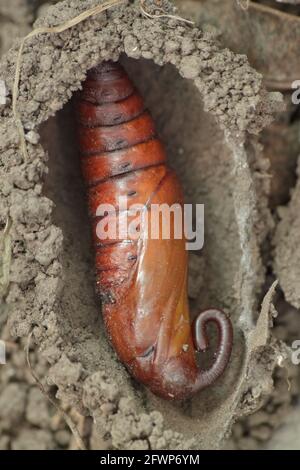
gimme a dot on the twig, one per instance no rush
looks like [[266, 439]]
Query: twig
[[42, 30], [59, 29]]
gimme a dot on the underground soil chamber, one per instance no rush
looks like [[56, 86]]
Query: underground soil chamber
[[222, 107]]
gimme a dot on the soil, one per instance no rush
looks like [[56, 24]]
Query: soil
[[209, 106], [29, 421]]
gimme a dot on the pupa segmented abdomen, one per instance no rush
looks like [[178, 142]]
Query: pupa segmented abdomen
[[142, 281]]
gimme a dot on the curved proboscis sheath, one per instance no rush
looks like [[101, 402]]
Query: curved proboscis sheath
[[142, 282]]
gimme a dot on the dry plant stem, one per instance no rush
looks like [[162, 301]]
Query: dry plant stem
[[53, 401], [59, 29]]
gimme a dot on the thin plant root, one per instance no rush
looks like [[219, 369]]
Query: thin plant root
[[59, 29], [79, 441], [56, 30]]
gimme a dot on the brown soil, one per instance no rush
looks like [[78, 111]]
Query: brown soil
[[209, 106]]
